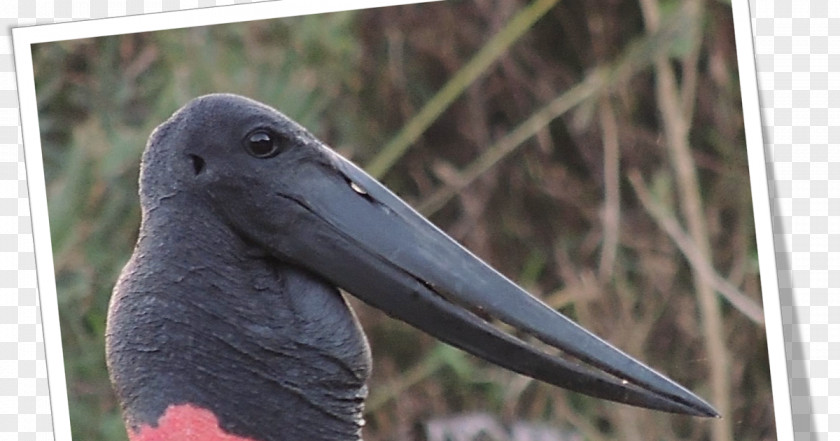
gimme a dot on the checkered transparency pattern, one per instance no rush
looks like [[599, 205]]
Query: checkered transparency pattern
[[797, 47], [24, 391], [798, 61]]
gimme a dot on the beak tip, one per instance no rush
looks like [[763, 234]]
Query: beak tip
[[712, 413], [701, 408]]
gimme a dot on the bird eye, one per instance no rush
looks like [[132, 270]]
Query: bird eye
[[263, 144]]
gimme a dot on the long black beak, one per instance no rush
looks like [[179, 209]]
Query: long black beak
[[356, 233]]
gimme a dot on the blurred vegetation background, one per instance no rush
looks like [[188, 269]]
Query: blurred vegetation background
[[593, 151]]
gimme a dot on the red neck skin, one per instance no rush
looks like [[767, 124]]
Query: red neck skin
[[185, 422]]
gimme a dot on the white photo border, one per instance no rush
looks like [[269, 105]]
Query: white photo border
[[25, 37]]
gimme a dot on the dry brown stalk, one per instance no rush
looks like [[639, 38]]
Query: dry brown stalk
[[751, 309], [600, 80], [611, 214], [676, 127]]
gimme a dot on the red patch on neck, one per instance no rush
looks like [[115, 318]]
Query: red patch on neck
[[185, 422]]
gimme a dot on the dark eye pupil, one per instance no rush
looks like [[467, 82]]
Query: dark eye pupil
[[261, 144]]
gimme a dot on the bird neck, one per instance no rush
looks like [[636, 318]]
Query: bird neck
[[185, 422], [209, 336]]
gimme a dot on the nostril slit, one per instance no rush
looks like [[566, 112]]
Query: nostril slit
[[198, 164]]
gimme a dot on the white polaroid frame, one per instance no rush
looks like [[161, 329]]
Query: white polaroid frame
[[25, 37]]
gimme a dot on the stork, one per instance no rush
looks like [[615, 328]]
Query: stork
[[227, 323]]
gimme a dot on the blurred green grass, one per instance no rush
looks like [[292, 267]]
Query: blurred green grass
[[355, 79]]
